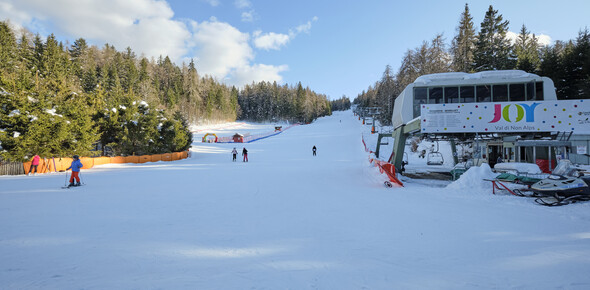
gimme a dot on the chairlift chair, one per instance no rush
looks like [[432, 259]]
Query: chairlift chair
[[435, 157], [384, 140]]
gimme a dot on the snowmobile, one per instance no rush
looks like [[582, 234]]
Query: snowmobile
[[564, 186]]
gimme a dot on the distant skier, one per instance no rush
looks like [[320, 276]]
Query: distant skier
[[314, 150], [75, 166], [34, 164], [234, 154], [245, 154]]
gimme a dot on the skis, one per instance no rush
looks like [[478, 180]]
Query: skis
[[559, 200], [66, 187]]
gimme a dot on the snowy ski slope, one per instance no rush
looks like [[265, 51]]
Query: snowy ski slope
[[284, 220]]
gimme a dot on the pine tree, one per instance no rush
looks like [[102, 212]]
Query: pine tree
[[576, 64], [493, 49], [341, 104], [526, 49], [79, 48], [438, 59], [55, 66], [385, 96], [234, 107], [8, 56], [552, 65], [26, 70], [299, 103], [80, 130], [463, 44]]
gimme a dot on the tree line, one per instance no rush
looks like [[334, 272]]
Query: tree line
[[58, 100], [567, 63], [341, 104], [265, 101]]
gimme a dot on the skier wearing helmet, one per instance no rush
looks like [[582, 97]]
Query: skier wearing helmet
[[75, 166], [234, 153]]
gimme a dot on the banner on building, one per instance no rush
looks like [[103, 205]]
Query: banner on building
[[507, 117]]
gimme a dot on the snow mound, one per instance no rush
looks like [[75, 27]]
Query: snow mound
[[518, 167], [473, 179]]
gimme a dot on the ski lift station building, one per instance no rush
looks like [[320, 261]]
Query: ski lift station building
[[501, 112]]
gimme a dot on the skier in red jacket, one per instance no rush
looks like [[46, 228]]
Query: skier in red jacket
[[34, 164]]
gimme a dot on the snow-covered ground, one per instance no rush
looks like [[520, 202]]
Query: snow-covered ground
[[284, 220]]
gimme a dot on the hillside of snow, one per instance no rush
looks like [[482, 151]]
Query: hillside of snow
[[283, 220]]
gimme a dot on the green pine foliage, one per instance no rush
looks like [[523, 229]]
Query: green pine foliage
[[58, 101], [526, 49], [174, 134], [493, 50], [341, 104], [463, 44], [576, 66], [270, 102]]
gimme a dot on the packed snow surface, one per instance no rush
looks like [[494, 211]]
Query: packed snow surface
[[518, 167], [284, 220]]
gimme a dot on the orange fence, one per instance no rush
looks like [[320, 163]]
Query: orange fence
[[384, 167], [388, 169], [60, 164]]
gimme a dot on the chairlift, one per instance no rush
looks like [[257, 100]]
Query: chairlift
[[404, 162], [435, 157]]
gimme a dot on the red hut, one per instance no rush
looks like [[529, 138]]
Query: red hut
[[238, 138]]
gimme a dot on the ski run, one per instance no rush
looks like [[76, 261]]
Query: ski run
[[284, 220]]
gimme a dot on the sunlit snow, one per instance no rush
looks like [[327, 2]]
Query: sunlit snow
[[284, 220]]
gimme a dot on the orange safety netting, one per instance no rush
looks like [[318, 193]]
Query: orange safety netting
[[49, 165], [388, 169], [60, 164], [384, 167]]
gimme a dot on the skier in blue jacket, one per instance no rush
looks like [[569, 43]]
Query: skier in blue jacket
[[75, 166]]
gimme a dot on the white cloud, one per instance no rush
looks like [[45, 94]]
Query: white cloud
[[305, 28], [258, 72], [149, 28], [220, 48], [270, 40], [213, 3], [275, 41], [224, 52], [16, 16], [243, 4], [544, 39], [143, 25], [248, 16]]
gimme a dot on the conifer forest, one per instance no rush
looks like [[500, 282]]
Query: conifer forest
[[58, 100], [61, 99]]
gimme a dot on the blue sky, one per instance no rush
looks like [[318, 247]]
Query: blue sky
[[334, 47]]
